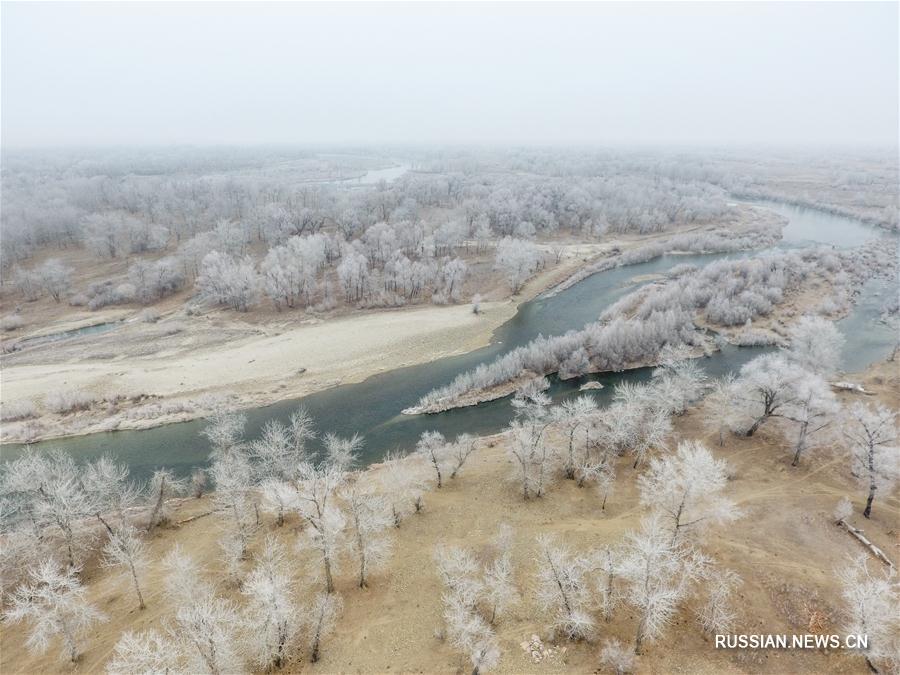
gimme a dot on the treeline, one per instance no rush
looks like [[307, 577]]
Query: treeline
[[633, 331]]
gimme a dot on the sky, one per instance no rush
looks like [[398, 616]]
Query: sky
[[636, 73]]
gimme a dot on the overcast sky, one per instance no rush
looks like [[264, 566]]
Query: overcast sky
[[247, 73]]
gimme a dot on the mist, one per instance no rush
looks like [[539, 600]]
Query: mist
[[134, 73]]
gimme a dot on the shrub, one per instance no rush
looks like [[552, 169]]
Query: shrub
[[17, 410], [66, 401], [11, 322]]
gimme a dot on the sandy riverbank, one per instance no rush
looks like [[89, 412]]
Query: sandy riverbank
[[184, 377]]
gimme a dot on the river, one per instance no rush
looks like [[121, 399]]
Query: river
[[372, 408]]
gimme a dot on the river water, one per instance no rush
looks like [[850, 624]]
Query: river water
[[372, 408]]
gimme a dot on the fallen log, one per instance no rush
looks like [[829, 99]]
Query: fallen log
[[859, 536], [193, 518]]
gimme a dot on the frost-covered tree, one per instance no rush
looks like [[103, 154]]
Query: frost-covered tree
[[765, 386], [403, 480], [532, 456], [517, 260], [109, 488], [343, 453], [459, 451], [55, 278], [870, 605], [148, 652], [353, 273], [56, 604], [470, 634], [815, 345], [271, 613], [125, 550], [870, 433], [206, 627], [325, 521], [163, 486], [232, 476], [318, 619], [369, 517], [564, 590], [498, 583], [606, 563], [718, 614], [572, 415], [658, 575], [617, 657], [432, 447], [809, 416], [224, 280], [48, 490], [224, 431], [687, 488]]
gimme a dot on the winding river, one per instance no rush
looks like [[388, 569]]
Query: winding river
[[372, 408]]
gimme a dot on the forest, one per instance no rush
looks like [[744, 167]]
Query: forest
[[613, 530]]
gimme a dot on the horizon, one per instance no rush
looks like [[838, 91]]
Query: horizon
[[435, 74]]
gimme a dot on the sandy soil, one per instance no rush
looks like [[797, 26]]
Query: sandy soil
[[785, 547], [144, 375]]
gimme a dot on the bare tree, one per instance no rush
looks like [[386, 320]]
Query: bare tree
[[563, 590], [870, 604], [56, 604], [687, 488], [870, 432], [271, 614], [124, 549]]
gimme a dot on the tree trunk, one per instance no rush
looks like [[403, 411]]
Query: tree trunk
[[329, 581], [137, 587], [639, 637], [801, 443], [869, 501]]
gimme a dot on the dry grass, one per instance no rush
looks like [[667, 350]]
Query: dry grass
[[786, 548]]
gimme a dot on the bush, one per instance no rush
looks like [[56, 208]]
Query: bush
[[17, 410], [149, 315], [62, 402], [11, 322], [78, 300]]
